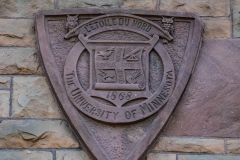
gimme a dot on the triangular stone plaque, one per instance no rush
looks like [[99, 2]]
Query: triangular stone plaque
[[118, 74]]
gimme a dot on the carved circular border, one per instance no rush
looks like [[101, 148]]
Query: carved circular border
[[105, 113]]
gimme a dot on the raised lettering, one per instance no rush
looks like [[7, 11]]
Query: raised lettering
[[86, 108], [101, 23], [144, 108], [169, 73], [88, 30], [121, 21], [98, 112], [128, 114], [165, 94], [114, 21], [102, 113], [160, 98], [93, 110], [70, 74], [78, 98], [115, 114], [155, 103], [148, 28], [133, 112], [107, 114], [127, 21], [75, 92], [96, 24]]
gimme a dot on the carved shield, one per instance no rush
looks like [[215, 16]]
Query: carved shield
[[118, 74]]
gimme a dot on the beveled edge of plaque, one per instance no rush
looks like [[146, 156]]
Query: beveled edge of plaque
[[81, 130]]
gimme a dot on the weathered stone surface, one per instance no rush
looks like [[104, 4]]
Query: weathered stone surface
[[23, 8], [158, 156], [19, 61], [25, 155], [181, 144], [236, 17], [210, 104], [213, 8], [72, 155], [87, 3], [233, 146], [207, 157], [4, 81], [217, 28], [32, 98], [139, 4], [36, 134], [4, 103], [16, 32]]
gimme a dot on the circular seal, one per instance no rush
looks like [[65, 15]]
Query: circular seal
[[129, 74]]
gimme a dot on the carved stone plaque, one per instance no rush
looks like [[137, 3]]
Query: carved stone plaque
[[118, 74]]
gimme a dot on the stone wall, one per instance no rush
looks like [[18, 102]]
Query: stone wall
[[205, 126]]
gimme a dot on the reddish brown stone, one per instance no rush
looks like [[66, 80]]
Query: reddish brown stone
[[210, 104], [77, 77]]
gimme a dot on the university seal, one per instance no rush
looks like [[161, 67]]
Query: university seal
[[119, 47]]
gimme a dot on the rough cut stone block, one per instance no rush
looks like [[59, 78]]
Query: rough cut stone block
[[236, 17], [23, 8], [88, 3], [213, 8], [172, 144], [72, 155], [4, 103], [18, 61], [16, 32], [217, 28], [158, 156], [233, 146], [36, 134], [4, 81], [210, 103], [33, 98], [25, 155], [207, 157], [139, 4]]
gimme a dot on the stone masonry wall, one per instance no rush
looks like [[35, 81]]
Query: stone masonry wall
[[31, 123]]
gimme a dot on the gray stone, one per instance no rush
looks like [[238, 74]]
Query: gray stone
[[181, 144], [19, 61], [210, 103], [36, 134], [16, 32], [32, 98], [207, 157], [236, 17], [23, 8], [4, 103], [72, 155], [88, 3], [213, 8], [4, 81], [160, 156], [25, 155], [139, 4]]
